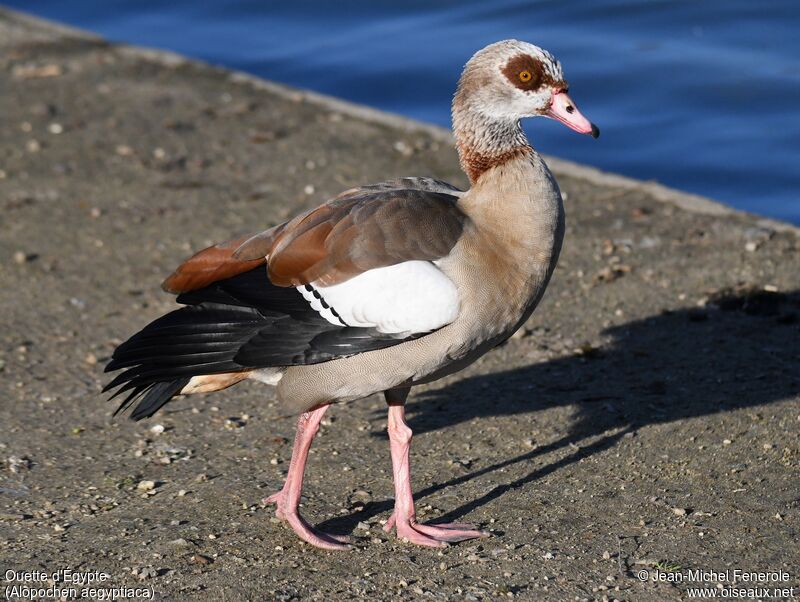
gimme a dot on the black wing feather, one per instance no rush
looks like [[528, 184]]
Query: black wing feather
[[234, 325]]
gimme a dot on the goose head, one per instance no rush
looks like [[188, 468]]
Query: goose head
[[511, 80]]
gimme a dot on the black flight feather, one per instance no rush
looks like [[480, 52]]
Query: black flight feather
[[234, 325]]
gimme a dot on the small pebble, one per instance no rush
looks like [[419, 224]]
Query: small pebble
[[18, 464], [233, 424], [146, 573], [146, 485], [201, 559], [37, 71], [403, 148], [179, 543]]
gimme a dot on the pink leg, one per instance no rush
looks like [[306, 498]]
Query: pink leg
[[288, 498], [404, 517]]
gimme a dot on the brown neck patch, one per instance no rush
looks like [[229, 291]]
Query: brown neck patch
[[475, 163], [529, 74]]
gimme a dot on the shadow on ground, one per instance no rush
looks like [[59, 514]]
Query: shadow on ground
[[742, 350]]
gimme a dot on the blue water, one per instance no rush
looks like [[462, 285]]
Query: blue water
[[700, 95]]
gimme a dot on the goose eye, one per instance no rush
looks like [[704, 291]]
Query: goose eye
[[525, 76]]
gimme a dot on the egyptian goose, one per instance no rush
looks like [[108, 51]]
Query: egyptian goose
[[379, 289]]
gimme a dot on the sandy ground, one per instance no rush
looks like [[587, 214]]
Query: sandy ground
[[646, 418]]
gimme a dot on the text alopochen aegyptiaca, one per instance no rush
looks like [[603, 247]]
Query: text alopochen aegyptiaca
[[379, 289]]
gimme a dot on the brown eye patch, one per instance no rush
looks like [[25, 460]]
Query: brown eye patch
[[528, 73]]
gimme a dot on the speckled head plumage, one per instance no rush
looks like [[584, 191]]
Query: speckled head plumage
[[510, 79], [501, 84]]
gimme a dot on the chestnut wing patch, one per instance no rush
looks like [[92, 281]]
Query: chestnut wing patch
[[363, 228], [210, 265], [412, 219]]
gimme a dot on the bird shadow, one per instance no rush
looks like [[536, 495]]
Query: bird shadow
[[740, 350]]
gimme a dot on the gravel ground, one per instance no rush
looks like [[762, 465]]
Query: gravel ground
[[645, 419]]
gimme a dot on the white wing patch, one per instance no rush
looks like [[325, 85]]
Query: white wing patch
[[409, 297]]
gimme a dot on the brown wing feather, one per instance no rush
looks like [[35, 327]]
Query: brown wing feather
[[351, 235], [259, 245], [210, 265], [359, 230]]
